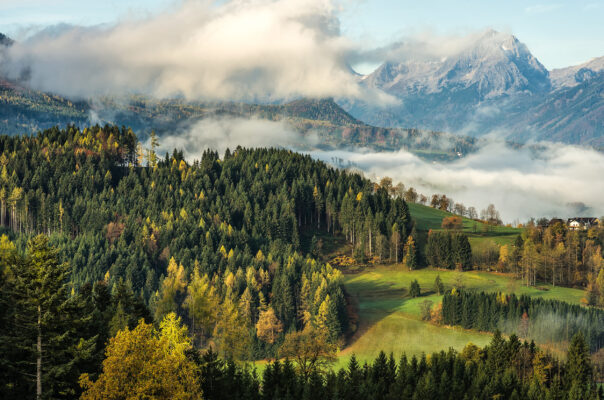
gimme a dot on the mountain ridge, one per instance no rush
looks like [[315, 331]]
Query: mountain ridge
[[481, 87]]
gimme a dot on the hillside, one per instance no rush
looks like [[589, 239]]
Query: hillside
[[390, 320], [224, 253], [481, 236]]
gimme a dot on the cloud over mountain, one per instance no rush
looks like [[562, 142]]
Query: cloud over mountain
[[254, 50]]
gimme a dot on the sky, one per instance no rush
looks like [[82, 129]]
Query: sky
[[559, 33]]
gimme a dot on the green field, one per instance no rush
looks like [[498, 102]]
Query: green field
[[428, 218], [390, 320]]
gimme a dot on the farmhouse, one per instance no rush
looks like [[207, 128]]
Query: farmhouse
[[582, 223]]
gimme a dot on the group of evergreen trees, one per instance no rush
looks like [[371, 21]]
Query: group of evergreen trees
[[230, 229], [49, 336], [449, 250], [539, 319], [505, 369]]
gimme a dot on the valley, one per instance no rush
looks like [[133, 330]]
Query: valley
[[301, 199]]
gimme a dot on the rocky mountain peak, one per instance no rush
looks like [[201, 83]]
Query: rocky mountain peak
[[492, 65]]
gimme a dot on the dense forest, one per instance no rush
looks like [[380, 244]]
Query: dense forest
[[123, 271], [221, 239], [546, 320], [65, 345]]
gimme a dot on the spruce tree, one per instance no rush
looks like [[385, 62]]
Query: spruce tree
[[47, 322], [439, 287], [579, 366]]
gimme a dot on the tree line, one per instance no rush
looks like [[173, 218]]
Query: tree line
[[540, 319], [508, 369], [448, 250], [559, 256]]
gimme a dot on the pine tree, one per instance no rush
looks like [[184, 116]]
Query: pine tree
[[414, 289], [439, 287], [579, 364], [326, 319], [120, 320]]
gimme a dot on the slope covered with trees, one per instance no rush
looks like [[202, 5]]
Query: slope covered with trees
[[217, 241]]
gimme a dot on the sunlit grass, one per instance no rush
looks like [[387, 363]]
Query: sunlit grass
[[390, 320]]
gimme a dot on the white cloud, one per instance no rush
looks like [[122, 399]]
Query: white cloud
[[220, 133], [522, 183], [239, 50], [543, 180], [428, 45]]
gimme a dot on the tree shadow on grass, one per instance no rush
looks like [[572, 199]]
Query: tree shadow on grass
[[370, 303]]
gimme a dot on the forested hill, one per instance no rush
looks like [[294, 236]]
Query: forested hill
[[228, 227]]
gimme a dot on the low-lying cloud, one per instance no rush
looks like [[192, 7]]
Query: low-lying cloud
[[222, 133], [252, 50], [544, 181]]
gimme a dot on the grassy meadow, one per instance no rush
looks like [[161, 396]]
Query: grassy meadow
[[390, 320], [430, 218]]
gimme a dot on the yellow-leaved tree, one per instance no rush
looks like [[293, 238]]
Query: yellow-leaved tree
[[268, 327], [310, 349], [144, 363], [232, 333], [172, 290], [202, 303]]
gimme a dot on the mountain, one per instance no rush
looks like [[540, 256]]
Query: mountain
[[25, 111], [493, 84], [571, 114], [5, 40], [572, 76], [496, 64]]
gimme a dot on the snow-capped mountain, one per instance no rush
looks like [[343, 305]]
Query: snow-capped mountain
[[492, 84], [496, 64]]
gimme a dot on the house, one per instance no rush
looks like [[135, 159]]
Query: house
[[582, 223]]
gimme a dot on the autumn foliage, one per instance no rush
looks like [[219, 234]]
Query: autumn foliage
[[144, 363]]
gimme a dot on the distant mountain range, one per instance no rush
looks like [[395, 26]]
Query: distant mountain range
[[493, 85]]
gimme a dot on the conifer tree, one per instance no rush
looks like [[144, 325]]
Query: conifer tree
[[268, 326], [579, 365], [439, 287], [47, 321]]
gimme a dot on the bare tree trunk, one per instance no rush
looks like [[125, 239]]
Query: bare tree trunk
[[39, 357], [370, 253]]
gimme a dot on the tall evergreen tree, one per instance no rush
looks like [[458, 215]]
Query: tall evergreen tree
[[47, 323]]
